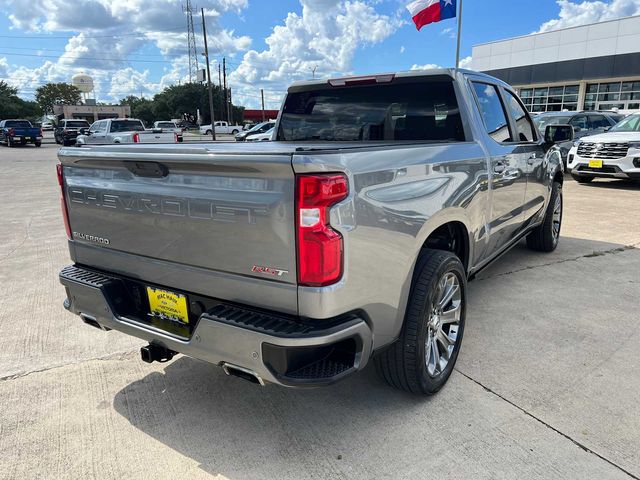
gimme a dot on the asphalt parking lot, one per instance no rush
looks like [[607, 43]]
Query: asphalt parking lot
[[547, 384]]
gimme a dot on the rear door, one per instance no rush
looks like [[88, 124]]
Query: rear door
[[219, 223], [507, 169]]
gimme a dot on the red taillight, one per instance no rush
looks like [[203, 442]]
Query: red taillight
[[136, 138], [11, 132], [41, 134], [63, 203], [319, 246], [177, 138]]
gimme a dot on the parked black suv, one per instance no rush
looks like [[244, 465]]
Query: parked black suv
[[66, 131], [583, 123]]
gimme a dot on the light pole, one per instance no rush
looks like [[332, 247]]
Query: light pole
[[206, 55]]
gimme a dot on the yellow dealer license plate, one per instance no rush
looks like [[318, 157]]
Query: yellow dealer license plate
[[595, 163], [168, 304]]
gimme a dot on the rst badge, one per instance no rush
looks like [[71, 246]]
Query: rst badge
[[276, 272]]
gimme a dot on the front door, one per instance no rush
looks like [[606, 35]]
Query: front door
[[531, 156]]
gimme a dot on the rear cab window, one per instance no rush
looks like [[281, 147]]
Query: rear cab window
[[126, 126], [406, 109]]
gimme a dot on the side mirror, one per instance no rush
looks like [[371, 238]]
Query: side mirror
[[606, 129], [558, 134], [85, 131]]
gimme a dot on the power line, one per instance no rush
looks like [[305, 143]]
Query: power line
[[132, 34]]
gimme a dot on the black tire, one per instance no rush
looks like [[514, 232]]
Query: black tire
[[582, 178], [208, 132], [38, 144], [10, 143], [234, 132], [545, 237], [404, 365]]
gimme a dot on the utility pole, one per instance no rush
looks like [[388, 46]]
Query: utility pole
[[262, 95], [224, 76], [191, 42], [313, 71], [220, 86], [206, 54], [229, 108]]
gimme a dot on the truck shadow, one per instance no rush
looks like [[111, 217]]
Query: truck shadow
[[237, 429], [613, 184]]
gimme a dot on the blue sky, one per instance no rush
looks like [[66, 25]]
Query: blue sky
[[138, 46]]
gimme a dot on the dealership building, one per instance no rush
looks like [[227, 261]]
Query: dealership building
[[591, 67]]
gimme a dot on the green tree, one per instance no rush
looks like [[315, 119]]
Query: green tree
[[12, 106], [141, 108], [56, 94]]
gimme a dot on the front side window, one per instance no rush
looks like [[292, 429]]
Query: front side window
[[523, 122], [492, 111], [416, 110], [599, 121]]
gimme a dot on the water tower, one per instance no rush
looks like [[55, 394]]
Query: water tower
[[84, 83]]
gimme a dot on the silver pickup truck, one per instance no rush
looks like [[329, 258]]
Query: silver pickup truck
[[351, 237], [124, 130]]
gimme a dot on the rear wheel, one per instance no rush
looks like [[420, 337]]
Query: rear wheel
[[10, 142], [38, 144], [422, 359], [582, 178], [545, 237], [234, 132], [208, 132]]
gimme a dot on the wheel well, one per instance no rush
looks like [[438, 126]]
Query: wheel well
[[558, 177], [452, 237]]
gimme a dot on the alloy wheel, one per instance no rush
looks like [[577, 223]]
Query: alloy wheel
[[443, 324]]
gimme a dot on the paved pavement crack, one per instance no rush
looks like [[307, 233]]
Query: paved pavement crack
[[539, 420], [601, 253], [111, 356], [22, 242]]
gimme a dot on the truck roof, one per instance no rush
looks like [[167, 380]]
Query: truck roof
[[390, 76]]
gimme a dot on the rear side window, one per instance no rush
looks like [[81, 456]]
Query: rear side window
[[419, 111], [492, 111], [524, 126]]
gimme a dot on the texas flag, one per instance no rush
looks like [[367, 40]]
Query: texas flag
[[424, 12]]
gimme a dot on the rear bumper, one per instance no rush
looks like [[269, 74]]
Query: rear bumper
[[277, 348]]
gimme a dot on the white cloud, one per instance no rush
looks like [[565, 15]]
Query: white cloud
[[573, 14], [449, 32], [107, 33], [402, 49], [325, 37], [427, 66], [466, 62]]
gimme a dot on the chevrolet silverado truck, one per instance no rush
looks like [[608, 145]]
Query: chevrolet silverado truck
[[348, 239], [124, 130], [19, 132]]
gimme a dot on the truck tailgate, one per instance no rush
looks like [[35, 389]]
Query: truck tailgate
[[214, 221]]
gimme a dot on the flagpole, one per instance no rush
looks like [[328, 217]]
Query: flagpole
[[459, 35]]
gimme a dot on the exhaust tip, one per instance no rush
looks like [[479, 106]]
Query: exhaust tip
[[241, 372]]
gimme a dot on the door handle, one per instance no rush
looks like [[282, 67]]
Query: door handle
[[531, 159], [499, 167]]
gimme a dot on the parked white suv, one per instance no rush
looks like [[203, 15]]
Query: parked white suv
[[615, 154]]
